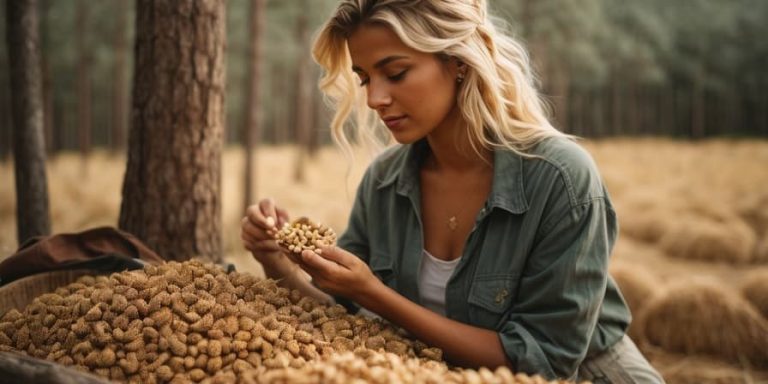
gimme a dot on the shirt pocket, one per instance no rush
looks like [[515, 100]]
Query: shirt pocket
[[382, 266], [490, 298]]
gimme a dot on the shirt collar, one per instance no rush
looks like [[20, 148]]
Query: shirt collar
[[507, 191]]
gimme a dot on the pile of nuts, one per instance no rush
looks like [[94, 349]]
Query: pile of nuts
[[182, 322], [303, 234], [365, 365], [189, 321]]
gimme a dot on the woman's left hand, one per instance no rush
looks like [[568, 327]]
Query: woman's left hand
[[339, 272]]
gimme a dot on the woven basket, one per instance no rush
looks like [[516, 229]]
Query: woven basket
[[20, 293], [18, 368]]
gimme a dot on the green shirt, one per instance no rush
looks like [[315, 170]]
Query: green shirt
[[535, 265]]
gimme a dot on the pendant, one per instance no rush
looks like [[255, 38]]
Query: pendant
[[452, 223]]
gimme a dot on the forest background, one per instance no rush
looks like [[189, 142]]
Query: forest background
[[689, 68], [670, 96]]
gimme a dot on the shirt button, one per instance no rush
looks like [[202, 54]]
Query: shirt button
[[501, 295]]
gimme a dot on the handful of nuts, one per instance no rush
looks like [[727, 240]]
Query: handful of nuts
[[303, 234]]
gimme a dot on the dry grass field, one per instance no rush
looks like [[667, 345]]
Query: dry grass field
[[692, 258]]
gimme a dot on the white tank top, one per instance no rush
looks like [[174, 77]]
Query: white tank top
[[433, 277]]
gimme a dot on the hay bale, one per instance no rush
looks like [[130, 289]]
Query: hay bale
[[636, 282], [679, 368], [761, 249], [646, 225], [754, 210], [705, 317], [700, 238], [637, 286], [755, 290]]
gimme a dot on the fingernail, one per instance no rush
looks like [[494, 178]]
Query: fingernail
[[271, 221]]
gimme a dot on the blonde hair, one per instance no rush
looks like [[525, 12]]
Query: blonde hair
[[497, 99]]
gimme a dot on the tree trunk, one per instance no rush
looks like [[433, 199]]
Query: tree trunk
[[171, 192], [315, 101], [32, 213], [632, 120], [279, 105], [5, 110], [322, 121], [83, 85], [253, 108], [303, 98], [45, 67], [120, 78], [617, 121], [697, 106], [667, 107], [560, 88]]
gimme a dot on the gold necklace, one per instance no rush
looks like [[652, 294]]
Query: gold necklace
[[453, 223]]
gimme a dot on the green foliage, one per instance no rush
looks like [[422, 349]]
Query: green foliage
[[715, 46]]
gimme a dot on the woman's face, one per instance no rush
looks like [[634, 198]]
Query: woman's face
[[413, 92]]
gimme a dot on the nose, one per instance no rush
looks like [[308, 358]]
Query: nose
[[378, 95]]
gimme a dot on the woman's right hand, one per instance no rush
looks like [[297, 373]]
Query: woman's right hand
[[261, 221]]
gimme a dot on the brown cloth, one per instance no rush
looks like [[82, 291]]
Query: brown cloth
[[102, 248]]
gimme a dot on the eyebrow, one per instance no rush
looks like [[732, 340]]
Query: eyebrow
[[381, 62]]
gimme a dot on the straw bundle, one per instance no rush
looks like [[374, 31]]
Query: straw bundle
[[761, 249], [755, 211], [637, 286], [706, 318], [699, 238], [678, 368], [647, 225], [755, 290]]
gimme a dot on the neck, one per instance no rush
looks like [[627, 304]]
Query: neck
[[451, 151]]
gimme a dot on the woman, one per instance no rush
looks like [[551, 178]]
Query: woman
[[487, 232]]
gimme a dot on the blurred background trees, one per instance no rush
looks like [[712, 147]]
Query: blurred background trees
[[685, 69], [33, 217], [688, 68]]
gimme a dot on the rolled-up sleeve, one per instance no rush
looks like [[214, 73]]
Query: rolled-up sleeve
[[550, 325]]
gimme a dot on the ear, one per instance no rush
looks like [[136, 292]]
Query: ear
[[461, 70], [461, 66]]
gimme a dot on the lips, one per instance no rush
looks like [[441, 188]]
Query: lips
[[393, 121]]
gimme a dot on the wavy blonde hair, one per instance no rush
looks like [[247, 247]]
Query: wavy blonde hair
[[497, 99]]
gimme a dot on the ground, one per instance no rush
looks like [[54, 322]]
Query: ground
[[687, 210]]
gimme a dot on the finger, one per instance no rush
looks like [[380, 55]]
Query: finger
[[336, 254], [312, 270], [268, 208], [257, 237], [257, 217], [261, 247], [282, 217], [262, 214], [319, 263], [259, 233], [294, 257]]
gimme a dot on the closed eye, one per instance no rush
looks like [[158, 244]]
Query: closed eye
[[394, 78], [397, 77]]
